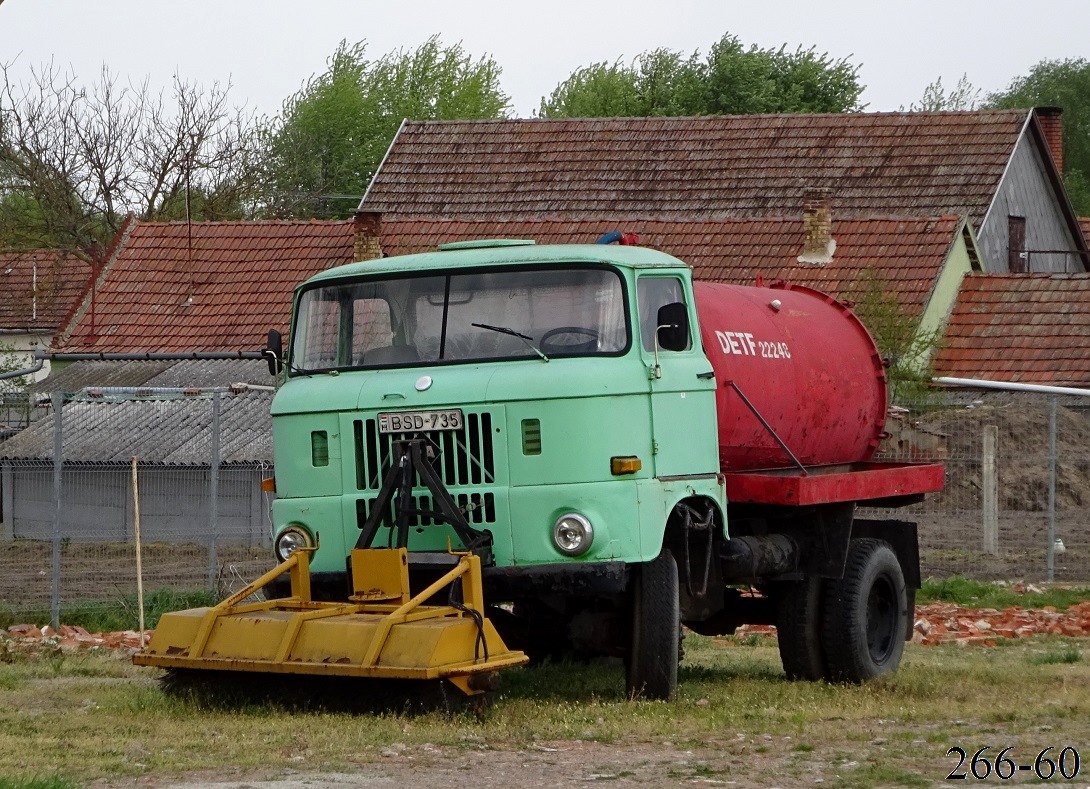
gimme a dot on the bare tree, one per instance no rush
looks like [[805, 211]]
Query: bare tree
[[74, 160]]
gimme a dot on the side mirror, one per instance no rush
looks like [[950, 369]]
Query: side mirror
[[274, 352], [673, 327]]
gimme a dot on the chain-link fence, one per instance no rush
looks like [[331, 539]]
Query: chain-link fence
[[68, 528], [14, 411], [1017, 499], [1016, 502]]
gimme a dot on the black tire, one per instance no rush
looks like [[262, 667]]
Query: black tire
[[655, 647], [798, 629], [865, 614]]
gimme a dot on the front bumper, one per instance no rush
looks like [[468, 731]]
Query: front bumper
[[503, 584]]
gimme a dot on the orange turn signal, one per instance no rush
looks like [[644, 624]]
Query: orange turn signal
[[269, 485], [629, 464]]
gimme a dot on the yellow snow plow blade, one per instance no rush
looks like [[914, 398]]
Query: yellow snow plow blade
[[382, 632]]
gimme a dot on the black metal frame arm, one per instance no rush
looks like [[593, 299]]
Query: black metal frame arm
[[410, 462]]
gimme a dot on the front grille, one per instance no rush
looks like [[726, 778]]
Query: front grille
[[460, 457]]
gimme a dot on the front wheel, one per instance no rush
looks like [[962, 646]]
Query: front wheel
[[656, 630], [865, 614]]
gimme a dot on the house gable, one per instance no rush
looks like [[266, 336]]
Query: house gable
[[1030, 194]]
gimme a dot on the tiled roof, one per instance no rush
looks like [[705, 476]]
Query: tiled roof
[[1024, 328], [221, 293], [154, 374], [1084, 223], [39, 287], [170, 432], [893, 164], [905, 254]]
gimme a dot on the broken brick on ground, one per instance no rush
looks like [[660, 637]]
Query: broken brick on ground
[[32, 639], [935, 623], [944, 623]]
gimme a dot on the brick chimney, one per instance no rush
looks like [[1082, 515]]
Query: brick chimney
[[818, 244], [366, 243], [1052, 124]]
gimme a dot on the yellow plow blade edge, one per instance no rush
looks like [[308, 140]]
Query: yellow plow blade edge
[[399, 638]]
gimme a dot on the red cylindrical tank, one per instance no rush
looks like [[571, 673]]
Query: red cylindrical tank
[[807, 367]]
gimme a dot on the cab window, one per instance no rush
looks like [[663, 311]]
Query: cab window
[[654, 293]]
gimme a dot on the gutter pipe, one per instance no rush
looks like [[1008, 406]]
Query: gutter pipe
[[1013, 387], [27, 371], [148, 357]]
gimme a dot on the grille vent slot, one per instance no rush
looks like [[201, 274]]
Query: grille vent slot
[[531, 436]]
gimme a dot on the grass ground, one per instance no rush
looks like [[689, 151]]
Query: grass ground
[[979, 594], [73, 720]]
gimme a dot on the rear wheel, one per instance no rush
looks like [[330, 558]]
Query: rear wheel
[[798, 629], [865, 614], [656, 630]]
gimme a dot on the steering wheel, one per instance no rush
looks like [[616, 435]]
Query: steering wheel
[[590, 342]]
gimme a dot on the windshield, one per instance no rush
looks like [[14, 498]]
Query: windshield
[[452, 317]]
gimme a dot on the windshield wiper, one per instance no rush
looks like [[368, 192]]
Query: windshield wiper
[[511, 332]]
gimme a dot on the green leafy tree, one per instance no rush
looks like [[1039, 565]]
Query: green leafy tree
[[897, 334], [1066, 84], [329, 138], [731, 80]]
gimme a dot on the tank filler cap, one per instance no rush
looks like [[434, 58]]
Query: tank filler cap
[[775, 304]]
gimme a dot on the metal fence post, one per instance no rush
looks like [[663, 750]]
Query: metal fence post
[[214, 493], [990, 489], [1051, 548], [57, 400]]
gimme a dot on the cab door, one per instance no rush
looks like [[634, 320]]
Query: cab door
[[682, 387]]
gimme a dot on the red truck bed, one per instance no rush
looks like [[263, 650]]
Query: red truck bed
[[877, 484]]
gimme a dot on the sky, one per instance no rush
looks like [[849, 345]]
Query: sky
[[267, 49]]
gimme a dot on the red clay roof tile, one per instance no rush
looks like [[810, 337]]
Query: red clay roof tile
[[922, 164], [223, 293], [39, 287], [1024, 328], [904, 254]]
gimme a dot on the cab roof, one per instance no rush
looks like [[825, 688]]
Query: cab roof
[[506, 252]]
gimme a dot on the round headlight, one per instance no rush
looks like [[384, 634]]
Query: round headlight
[[291, 540], [573, 534]]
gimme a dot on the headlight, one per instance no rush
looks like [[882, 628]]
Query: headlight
[[573, 534], [290, 540]]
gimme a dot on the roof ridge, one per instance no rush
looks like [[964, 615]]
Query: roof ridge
[[476, 218], [245, 222], [666, 119], [1030, 274]]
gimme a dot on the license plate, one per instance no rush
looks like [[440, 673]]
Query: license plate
[[418, 421]]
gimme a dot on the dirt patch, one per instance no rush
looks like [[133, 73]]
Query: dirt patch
[[955, 436], [736, 759], [545, 764]]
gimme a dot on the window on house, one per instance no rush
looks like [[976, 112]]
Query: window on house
[[1017, 256]]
